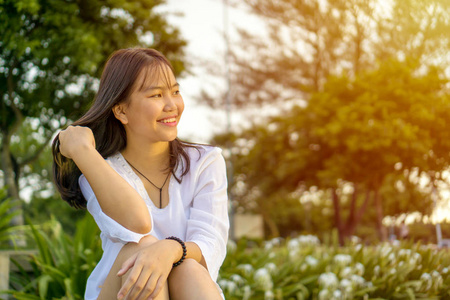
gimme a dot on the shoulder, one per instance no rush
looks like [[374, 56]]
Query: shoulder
[[198, 152], [202, 155], [206, 161]]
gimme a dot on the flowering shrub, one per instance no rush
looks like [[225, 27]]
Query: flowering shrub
[[303, 268]]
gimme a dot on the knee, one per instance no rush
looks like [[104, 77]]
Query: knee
[[189, 268], [131, 248], [147, 240]]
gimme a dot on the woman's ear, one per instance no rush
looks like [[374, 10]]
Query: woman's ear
[[119, 113]]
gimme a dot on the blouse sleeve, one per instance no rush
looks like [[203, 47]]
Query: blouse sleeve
[[108, 226], [208, 223]]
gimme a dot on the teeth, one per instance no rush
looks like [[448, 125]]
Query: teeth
[[171, 120]]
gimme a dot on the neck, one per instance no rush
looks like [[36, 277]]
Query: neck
[[151, 157]]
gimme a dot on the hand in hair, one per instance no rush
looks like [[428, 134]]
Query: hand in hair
[[74, 139]]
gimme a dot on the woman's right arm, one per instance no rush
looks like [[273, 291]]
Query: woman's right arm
[[116, 197]]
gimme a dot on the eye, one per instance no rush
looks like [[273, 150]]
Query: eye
[[156, 96], [177, 92]]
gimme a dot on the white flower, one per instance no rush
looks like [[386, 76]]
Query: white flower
[[308, 240], [223, 283], [247, 269], [263, 279], [358, 247], [359, 269], [355, 240], [293, 245], [276, 241], [268, 245], [247, 293], [376, 271], [358, 281], [268, 295], [271, 267], [427, 281], [311, 261], [342, 259], [391, 257], [444, 270], [231, 246], [232, 287], [404, 252], [385, 250], [328, 280], [346, 272], [272, 243], [337, 294], [227, 285], [417, 257], [346, 285], [324, 295], [303, 268], [237, 279], [437, 280]]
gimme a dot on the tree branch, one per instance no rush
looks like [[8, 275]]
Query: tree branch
[[16, 110], [35, 155]]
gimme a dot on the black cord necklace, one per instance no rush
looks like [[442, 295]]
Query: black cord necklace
[[159, 188]]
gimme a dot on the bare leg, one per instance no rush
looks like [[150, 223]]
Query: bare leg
[[113, 283], [191, 281]]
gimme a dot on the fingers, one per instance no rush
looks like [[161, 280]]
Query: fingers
[[74, 138], [131, 280], [128, 264], [159, 285], [142, 288]]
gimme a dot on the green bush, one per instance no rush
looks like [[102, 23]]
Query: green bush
[[63, 263], [303, 268], [298, 268]]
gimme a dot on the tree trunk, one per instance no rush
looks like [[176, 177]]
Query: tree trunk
[[337, 215], [351, 216], [10, 182], [273, 228], [379, 213], [356, 216]]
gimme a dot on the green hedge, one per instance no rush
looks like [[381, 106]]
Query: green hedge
[[297, 268]]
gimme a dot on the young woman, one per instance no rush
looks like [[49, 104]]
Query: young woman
[[160, 203]]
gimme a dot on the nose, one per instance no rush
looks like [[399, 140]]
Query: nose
[[170, 104]]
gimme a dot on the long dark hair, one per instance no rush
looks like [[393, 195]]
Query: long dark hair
[[116, 85]]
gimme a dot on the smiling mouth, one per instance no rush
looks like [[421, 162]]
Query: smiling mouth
[[169, 120]]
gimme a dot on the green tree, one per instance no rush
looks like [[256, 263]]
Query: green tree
[[51, 56], [308, 41], [366, 132], [321, 51]]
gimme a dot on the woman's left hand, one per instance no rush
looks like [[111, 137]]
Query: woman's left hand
[[150, 268]]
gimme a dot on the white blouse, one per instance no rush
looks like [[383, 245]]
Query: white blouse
[[197, 212]]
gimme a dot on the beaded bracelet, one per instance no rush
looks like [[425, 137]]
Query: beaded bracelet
[[184, 249]]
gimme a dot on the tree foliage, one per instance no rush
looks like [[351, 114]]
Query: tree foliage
[[308, 41], [368, 105], [51, 56], [359, 139]]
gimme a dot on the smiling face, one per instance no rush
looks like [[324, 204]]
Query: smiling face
[[154, 108]]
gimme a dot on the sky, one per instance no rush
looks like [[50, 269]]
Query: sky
[[202, 25]]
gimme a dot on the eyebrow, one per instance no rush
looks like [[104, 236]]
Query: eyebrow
[[159, 87]]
